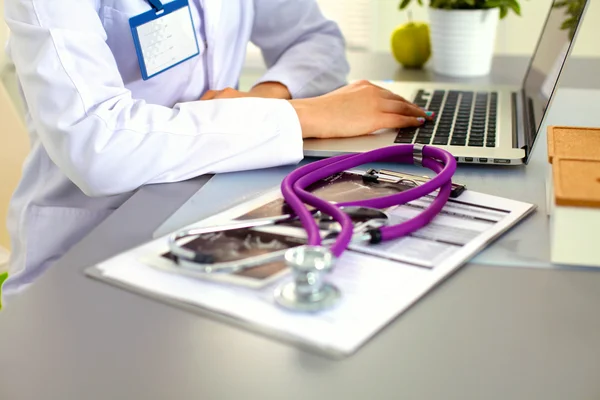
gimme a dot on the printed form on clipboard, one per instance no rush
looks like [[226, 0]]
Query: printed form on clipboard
[[378, 282]]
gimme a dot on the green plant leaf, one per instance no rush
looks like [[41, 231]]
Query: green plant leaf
[[514, 5], [573, 11], [503, 12], [494, 3], [3, 277], [571, 22], [404, 4]]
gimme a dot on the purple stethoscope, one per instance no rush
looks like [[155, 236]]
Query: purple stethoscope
[[309, 263]]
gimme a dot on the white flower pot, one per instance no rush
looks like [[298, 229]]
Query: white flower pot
[[462, 41]]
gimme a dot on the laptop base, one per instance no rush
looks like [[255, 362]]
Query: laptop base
[[466, 145]]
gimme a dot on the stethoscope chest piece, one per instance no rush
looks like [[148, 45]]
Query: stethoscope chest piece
[[308, 292]]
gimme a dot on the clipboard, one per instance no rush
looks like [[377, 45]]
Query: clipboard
[[387, 287]]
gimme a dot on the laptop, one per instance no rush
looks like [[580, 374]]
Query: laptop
[[477, 124]]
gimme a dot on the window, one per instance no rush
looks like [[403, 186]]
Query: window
[[354, 17]]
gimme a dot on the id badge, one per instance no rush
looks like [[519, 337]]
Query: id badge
[[164, 37]]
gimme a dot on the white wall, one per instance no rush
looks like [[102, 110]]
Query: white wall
[[3, 33], [14, 146], [14, 143]]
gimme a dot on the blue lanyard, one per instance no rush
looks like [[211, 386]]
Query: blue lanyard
[[156, 4]]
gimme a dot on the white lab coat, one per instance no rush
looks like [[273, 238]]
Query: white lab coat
[[99, 132]]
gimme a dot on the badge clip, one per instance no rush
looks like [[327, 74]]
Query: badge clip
[[157, 5]]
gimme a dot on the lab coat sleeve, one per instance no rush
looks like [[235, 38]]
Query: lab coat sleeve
[[301, 48], [108, 142]]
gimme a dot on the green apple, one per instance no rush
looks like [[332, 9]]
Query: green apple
[[411, 45]]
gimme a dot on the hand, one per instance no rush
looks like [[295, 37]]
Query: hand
[[272, 90], [356, 109]]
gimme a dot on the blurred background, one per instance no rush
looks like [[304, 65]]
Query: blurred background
[[368, 24]]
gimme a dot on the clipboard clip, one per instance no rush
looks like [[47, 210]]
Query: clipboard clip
[[385, 175]]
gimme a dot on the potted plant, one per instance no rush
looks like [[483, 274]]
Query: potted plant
[[573, 9], [463, 33]]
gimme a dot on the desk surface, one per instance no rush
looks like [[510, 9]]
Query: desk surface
[[487, 332]]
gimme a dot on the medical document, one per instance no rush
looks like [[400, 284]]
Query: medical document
[[378, 282]]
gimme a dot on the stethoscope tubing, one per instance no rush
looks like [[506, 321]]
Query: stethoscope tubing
[[438, 160]]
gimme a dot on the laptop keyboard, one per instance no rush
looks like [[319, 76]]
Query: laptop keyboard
[[462, 118]]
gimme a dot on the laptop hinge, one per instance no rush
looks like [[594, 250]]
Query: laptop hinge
[[517, 131], [529, 124], [523, 124]]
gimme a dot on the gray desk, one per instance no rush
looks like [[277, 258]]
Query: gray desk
[[488, 332]]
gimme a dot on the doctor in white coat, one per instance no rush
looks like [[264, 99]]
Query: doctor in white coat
[[99, 131]]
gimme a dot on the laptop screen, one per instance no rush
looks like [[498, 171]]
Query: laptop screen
[[551, 52]]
